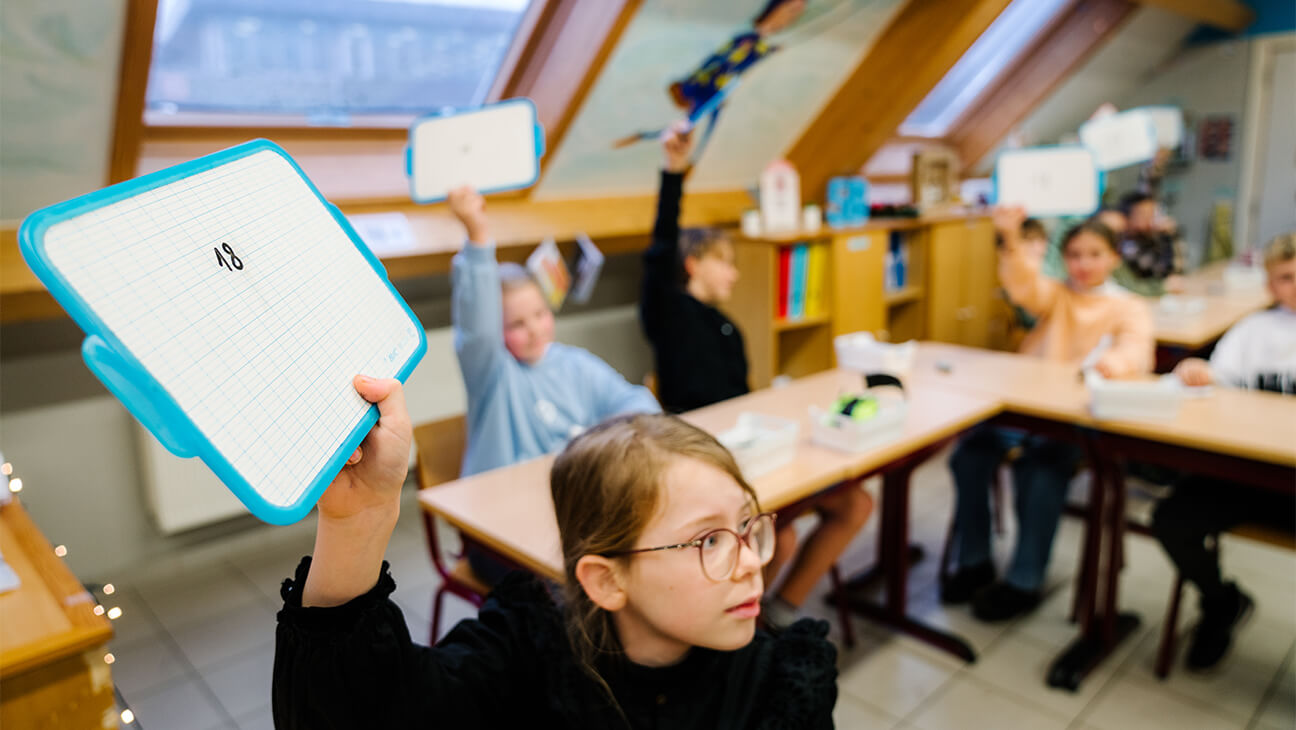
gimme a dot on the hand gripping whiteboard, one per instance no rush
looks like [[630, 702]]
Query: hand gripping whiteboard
[[228, 306], [1049, 181], [1120, 140], [493, 148]]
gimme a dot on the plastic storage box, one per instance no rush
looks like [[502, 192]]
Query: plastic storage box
[[760, 444]]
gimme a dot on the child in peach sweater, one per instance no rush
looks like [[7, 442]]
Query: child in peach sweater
[[1084, 320]]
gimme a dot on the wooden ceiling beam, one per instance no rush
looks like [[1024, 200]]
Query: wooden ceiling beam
[[1077, 32], [564, 55], [132, 87], [923, 41], [1229, 15]]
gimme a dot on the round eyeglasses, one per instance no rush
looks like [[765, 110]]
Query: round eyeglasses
[[719, 549]]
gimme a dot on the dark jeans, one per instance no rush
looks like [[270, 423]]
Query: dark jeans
[[1041, 476], [1201, 507]]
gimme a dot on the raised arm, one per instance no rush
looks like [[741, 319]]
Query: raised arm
[[476, 303], [661, 262], [1019, 271], [343, 655]]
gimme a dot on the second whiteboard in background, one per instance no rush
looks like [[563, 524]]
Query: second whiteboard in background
[[1049, 181], [494, 148]]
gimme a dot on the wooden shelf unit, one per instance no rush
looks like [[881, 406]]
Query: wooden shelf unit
[[855, 296]]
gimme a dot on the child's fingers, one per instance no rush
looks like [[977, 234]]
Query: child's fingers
[[355, 458], [390, 399]]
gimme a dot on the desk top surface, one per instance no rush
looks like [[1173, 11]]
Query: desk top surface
[[1223, 308], [1246, 424], [50, 615], [510, 509]]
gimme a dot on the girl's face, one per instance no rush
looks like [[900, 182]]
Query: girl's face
[[1089, 260], [671, 604], [528, 324]]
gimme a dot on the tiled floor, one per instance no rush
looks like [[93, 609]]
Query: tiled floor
[[195, 642]]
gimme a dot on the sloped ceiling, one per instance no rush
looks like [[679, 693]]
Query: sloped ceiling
[[1134, 54], [763, 118]]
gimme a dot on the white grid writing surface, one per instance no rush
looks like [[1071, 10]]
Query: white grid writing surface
[[260, 357]]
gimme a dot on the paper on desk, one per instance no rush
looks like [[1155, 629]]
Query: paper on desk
[[8, 578]]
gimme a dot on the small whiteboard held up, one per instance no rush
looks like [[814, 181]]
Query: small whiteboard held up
[[493, 148], [1049, 181], [1120, 140], [228, 306], [1168, 122]]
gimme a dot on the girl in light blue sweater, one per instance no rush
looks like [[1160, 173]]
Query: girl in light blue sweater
[[527, 395]]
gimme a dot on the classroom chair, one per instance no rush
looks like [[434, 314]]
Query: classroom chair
[[1170, 629], [837, 595], [440, 449]]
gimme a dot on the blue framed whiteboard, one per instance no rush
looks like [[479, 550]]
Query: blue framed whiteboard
[[227, 305], [493, 148], [1049, 180]]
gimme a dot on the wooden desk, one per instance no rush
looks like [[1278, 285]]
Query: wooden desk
[[1248, 425], [510, 511], [1239, 436], [1224, 308], [51, 643]]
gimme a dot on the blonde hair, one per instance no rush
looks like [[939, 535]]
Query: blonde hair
[[515, 276], [1280, 249], [606, 486]]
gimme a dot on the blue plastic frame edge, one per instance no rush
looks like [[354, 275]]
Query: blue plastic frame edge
[[141, 393], [538, 130], [1101, 180]]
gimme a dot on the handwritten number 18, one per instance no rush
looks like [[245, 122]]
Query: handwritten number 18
[[233, 263]]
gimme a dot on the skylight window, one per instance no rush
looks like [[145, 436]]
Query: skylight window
[[326, 60], [987, 58]]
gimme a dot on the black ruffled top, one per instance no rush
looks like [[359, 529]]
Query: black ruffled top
[[355, 666]]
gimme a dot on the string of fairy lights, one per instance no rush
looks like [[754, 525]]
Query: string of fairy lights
[[107, 589]]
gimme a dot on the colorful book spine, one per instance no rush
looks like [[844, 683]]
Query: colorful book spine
[[785, 267], [818, 270], [800, 259]]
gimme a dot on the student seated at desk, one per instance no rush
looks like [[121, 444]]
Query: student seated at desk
[[1260, 353], [527, 395], [700, 361], [662, 545], [1074, 318], [1150, 247]]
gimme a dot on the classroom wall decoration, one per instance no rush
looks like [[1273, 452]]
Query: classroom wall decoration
[[668, 41]]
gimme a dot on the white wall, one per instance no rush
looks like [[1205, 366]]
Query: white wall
[[58, 89]]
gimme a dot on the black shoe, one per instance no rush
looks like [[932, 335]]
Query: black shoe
[[1001, 602], [1214, 634], [960, 587]]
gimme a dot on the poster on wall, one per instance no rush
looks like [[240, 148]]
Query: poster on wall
[[1215, 137]]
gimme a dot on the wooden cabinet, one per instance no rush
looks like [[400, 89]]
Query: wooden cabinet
[[802, 346], [951, 284], [52, 645], [963, 282]]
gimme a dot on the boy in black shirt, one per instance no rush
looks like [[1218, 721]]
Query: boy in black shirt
[[700, 361], [699, 352]]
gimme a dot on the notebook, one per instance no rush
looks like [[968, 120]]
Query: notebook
[[1048, 181], [228, 306], [492, 148]]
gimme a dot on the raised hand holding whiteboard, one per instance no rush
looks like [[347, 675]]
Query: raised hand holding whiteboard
[[1120, 140], [1167, 123], [493, 148], [229, 306], [1048, 181]]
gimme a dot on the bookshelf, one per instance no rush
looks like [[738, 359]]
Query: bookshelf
[[855, 292]]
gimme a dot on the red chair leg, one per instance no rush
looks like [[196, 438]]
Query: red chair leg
[[437, 600], [843, 606], [1169, 632]]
